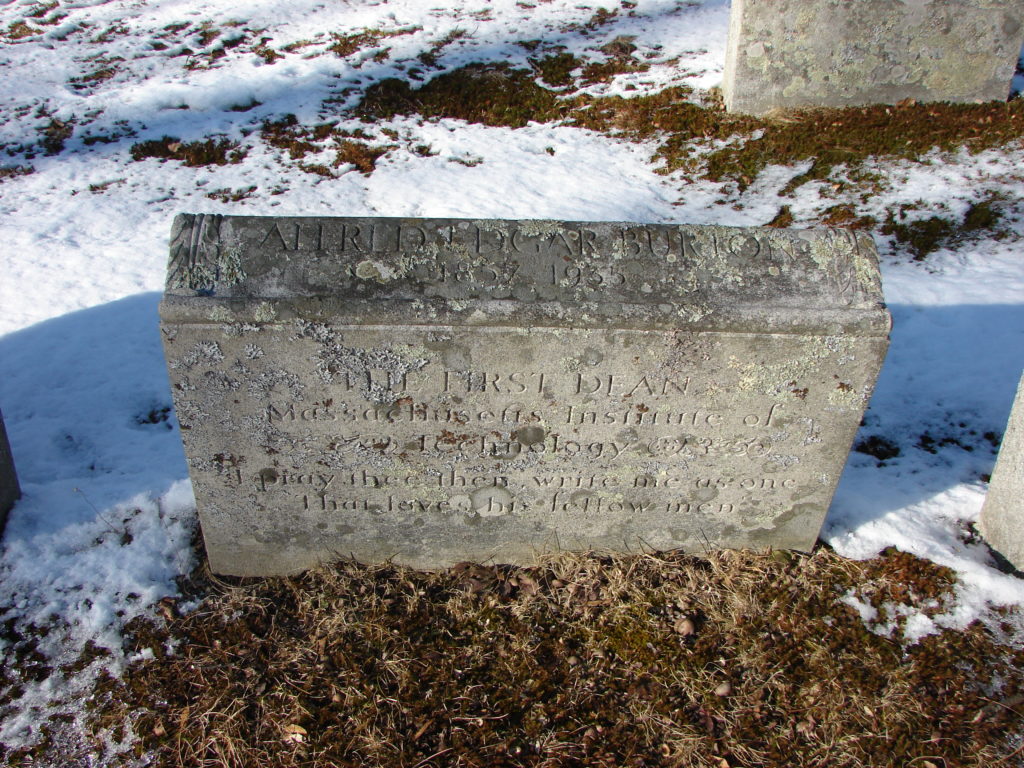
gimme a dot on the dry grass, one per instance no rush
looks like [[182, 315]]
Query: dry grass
[[734, 659]]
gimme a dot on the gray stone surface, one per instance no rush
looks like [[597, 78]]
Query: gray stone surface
[[9, 489], [1002, 516], [834, 53], [446, 390]]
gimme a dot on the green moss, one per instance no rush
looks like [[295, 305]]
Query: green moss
[[667, 114], [632, 639], [604, 71], [924, 236], [555, 70], [784, 218], [497, 94], [834, 137], [981, 216], [494, 94], [920, 237], [346, 45], [844, 215], [194, 154]]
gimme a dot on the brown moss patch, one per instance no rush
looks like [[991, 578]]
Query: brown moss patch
[[288, 135], [193, 154], [738, 659], [265, 52], [430, 56], [55, 135], [42, 9], [228, 195], [844, 215], [501, 95], [13, 171], [784, 218], [207, 35], [605, 71], [497, 94], [835, 137], [300, 140], [601, 17], [346, 45], [98, 76], [363, 156], [491, 94], [110, 33], [107, 69], [665, 113], [19, 30]]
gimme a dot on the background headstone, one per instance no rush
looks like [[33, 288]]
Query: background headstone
[[835, 53], [437, 390], [9, 489], [1002, 516]]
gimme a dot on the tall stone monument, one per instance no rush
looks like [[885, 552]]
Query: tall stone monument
[[435, 390], [837, 53], [1002, 516], [9, 488]]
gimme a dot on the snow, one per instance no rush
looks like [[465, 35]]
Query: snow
[[107, 517]]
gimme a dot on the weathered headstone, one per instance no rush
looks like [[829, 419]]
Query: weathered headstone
[[9, 488], [835, 53], [436, 390], [1002, 516]]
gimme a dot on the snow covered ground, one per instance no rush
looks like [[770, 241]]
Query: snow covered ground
[[105, 524]]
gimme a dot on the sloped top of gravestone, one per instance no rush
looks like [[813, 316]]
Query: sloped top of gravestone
[[499, 272]]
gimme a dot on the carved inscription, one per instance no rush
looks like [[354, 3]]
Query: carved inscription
[[437, 390], [565, 241], [523, 261], [202, 255], [616, 441]]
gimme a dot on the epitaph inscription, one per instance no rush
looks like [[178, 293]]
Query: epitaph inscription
[[435, 391]]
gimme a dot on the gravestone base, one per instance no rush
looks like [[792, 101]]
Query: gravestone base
[[9, 489], [436, 391], [1002, 516]]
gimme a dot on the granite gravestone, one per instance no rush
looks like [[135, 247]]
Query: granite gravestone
[[9, 489], [836, 53], [1002, 516], [436, 390]]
